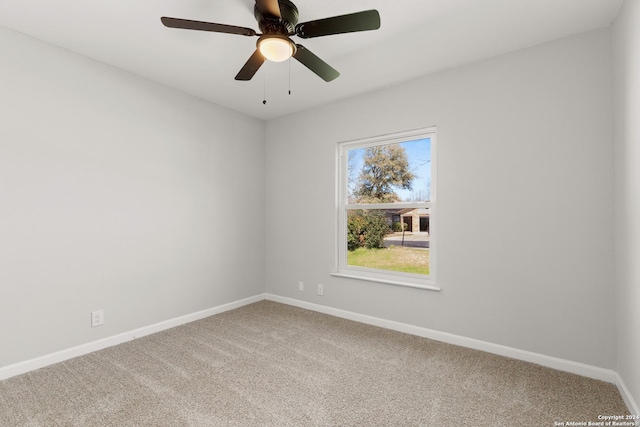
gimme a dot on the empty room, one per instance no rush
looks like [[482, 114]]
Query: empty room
[[337, 213]]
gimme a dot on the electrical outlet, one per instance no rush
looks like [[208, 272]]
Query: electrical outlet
[[97, 318], [320, 290], [301, 286]]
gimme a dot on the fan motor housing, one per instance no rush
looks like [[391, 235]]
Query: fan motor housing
[[285, 25]]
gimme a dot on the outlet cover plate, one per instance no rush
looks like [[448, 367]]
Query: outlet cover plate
[[97, 318]]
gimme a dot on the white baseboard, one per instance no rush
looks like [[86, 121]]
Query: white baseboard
[[585, 370], [60, 356], [628, 398]]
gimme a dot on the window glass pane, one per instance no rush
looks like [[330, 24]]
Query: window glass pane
[[389, 239], [399, 172]]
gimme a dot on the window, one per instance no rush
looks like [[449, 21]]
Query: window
[[386, 209]]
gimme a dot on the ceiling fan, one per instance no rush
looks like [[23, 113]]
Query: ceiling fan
[[278, 20]]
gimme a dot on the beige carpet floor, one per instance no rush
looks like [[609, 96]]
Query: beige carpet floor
[[269, 364]]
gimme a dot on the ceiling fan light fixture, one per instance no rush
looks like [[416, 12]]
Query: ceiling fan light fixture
[[276, 48], [278, 20]]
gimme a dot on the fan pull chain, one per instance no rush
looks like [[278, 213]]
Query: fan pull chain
[[264, 87], [289, 75]]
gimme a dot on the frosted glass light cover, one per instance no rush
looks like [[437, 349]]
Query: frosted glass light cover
[[276, 49]]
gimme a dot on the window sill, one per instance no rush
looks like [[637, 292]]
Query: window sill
[[406, 284]]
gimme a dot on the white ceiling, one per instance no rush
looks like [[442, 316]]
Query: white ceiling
[[416, 37]]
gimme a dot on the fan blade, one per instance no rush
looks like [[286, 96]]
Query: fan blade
[[206, 26], [251, 66], [270, 6], [315, 64], [359, 21]]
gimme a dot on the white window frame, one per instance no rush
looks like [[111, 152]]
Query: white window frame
[[342, 207]]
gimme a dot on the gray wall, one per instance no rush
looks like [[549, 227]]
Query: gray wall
[[626, 42], [525, 203], [120, 194]]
